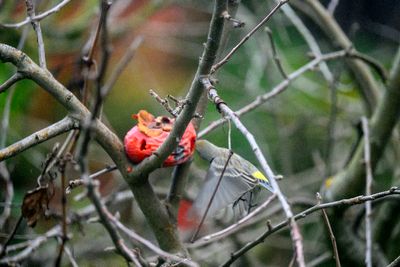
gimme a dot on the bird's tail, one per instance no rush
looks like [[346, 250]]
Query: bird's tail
[[266, 185]]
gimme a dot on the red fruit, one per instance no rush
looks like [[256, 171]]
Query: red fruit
[[184, 221], [145, 138]]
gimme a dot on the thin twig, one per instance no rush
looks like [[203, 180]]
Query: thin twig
[[154, 211], [232, 228], [211, 198], [4, 173], [5, 121], [374, 63], [275, 53], [276, 90], [8, 193], [331, 235], [368, 185], [193, 96], [119, 68], [105, 56], [38, 137], [258, 26], [310, 40], [148, 244], [343, 202], [327, 256], [236, 23], [121, 65], [369, 88], [293, 260], [11, 81], [78, 182], [88, 57], [83, 146], [395, 263], [64, 237], [331, 128], [226, 111], [10, 237], [70, 257], [332, 6], [93, 195], [164, 102], [39, 17], [180, 173], [32, 245], [30, 8]]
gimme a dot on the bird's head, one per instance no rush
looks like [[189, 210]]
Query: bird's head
[[206, 149]]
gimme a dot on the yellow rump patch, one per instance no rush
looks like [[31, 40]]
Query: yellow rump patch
[[328, 182], [259, 176]]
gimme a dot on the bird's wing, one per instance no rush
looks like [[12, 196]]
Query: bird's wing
[[232, 186]]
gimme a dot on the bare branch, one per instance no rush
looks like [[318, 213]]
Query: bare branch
[[258, 26], [31, 246], [30, 8], [104, 217], [11, 81], [78, 182], [164, 102], [368, 185], [180, 173], [121, 65], [309, 38], [40, 136], [236, 23], [149, 245], [224, 109], [344, 202], [369, 88], [332, 6], [352, 179], [193, 97], [275, 53], [276, 90], [39, 17], [374, 63], [395, 263], [61, 166], [233, 228], [70, 257], [331, 235], [4, 173], [8, 193]]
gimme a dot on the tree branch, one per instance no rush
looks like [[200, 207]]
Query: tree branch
[[38, 137], [30, 9], [258, 26], [344, 202], [369, 88], [193, 97], [12, 80], [282, 86], [39, 17], [226, 111], [352, 179]]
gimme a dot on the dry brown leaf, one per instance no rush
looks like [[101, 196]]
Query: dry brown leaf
[[35, 204], [151, 126]]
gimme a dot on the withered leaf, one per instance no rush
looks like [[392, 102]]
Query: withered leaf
[[35, 204], [151, 126]]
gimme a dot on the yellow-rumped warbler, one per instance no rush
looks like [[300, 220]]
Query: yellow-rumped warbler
[[239, 181]]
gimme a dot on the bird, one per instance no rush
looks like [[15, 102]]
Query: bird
[[240, 181]]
